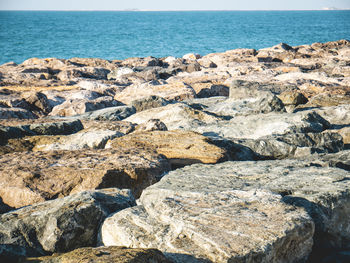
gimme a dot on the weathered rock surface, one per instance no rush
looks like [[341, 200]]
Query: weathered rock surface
[[10, 113], [32, 177], [61, 225], [183, 205], [213, 226], [79, 106], [104, 255], [174, 116], [173, 91], [149, 103], [180, 147], [256, 126]]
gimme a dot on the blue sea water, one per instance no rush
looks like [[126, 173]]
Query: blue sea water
[[118, 35]]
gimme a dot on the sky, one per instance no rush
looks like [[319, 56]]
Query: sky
[[171, 5]]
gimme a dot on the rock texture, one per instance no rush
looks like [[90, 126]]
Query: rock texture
[[104, 255], [189, 201], [60, 225], [33, 177], [180, 147]]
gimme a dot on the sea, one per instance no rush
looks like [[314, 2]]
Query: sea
[[121, 34]]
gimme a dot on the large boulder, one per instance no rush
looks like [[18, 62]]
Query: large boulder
[[149, 103], [260, 125], [175, 116], [103, 255], [216, 212], [171, 91], [79, 106], [60, 225], [31, 177], [180, 147]]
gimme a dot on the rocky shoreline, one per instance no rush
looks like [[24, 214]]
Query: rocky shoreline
[[241, 156]]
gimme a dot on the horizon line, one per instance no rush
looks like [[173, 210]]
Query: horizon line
[[173, 10]]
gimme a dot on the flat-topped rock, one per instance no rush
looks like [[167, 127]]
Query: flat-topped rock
[[171, 91], [60, 225], [213, 226], [259, 125], [180, 147], [197, 202], [174, 116], [32, 177]]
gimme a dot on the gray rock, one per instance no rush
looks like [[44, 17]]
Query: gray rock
[[111, 114], [16, 113], [151, 125], [149, 103], [294, 144], [260, 125], [174, 116], [169, 206], [60, 225], [214, 91], [207, 223], [56, 128]]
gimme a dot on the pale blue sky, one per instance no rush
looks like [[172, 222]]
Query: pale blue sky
[[170, 5]]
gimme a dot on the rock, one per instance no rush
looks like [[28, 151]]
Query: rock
[[292, 98], [208, 224], [79, 106], [173, 207], [119, 73], [214, 90], [63, 224], [85, 139], [70, 74], [108, 114], [56, 127], [338, 116], [104, 254], [44, 128], [151, 125], [32, 177], [345, 133], [174, 116], [260, 125], [191, 56], [294, 144], [149, 103], [279, 53], [16, 113], [180, 147], [39, 102], [118, 126], [173, 91]]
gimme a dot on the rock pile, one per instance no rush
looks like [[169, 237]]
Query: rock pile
[[241, 156]]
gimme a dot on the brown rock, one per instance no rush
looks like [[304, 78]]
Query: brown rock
[[345, 133], [173, 91], [31, 177], [292, 98], [151, 125], [180, 147], [104, 255]]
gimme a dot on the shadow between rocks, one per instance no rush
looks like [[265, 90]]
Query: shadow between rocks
[[327, 247]]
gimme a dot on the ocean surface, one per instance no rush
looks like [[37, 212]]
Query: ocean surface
[[118, 35]]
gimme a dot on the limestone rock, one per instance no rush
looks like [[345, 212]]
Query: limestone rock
[[31, 177], [104, 255], [345, 133], [79, 106], [70, 74], [260, 125], [292, 98], [180, 147], [174, 116], [107, 114], [85, 139], [17, 113], [182, 206], [63, 224], [213, 225], [151, 125], [173, 91], [149, 103]]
